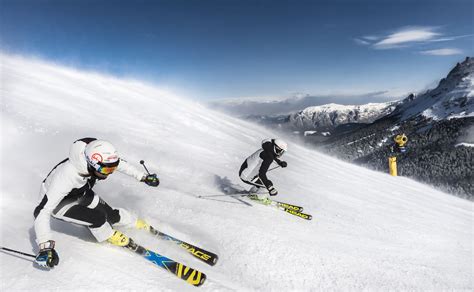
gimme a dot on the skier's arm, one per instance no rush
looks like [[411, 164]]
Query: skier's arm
[[130, 170], [150, 179], [62, 183], [268, 149], [281, 162]]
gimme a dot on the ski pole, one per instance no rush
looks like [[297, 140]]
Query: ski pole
[[233, 195], [143, 163], [22, 253], [273, 168]]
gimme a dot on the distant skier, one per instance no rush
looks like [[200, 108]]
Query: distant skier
[[254, 169], [66, 194]]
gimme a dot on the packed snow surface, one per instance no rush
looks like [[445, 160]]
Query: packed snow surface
[[369, 230]]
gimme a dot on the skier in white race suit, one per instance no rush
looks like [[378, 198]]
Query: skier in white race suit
[[66, 194]]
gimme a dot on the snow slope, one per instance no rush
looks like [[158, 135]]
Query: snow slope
[[369, 230]]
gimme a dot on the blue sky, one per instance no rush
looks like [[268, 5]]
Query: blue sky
[[231, 49]]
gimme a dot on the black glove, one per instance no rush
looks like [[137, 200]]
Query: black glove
[[47, 256], [272, 191], [151, 180], [283, 164]]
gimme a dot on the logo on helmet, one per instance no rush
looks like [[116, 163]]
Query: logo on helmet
[[96, 157]]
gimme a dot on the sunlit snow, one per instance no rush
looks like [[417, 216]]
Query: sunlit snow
[[369, 230]]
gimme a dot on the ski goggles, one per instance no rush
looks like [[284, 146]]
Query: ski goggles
[[107, 169], [279, 151]]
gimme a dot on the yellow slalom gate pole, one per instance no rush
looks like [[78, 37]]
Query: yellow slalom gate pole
[[392, 165]]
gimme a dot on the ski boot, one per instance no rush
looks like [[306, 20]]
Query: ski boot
[[142, 225], [119, 239], [256, 194]]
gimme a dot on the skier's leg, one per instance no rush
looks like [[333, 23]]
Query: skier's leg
[[115, 216], [122, 217], [247, 177], [118, 216], [254, 187], [254, 182], [94, 219], [97, 215], [259, 188]]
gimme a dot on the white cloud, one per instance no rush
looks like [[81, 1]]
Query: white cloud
[[371, 37], [412, 36], [407, 36], [362, 42], [367, 40], [442, 52], [447, 39]]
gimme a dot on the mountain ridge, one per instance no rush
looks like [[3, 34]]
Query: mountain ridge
[[450, 99], [329, 116], [435, 122]]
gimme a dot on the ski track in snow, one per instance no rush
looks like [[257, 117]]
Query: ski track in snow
[[369, 230]]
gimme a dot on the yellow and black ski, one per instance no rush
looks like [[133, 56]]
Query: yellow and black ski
[[289, 208], [208, 257], [298, 214], [190, 275]]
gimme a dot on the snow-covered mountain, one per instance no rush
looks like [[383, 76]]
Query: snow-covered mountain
[[452, 98], [273, 106], [435, 122], [370, 231], [330, 116]]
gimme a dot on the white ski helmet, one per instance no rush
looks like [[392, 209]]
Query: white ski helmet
[[101, 156], [280, 147]]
